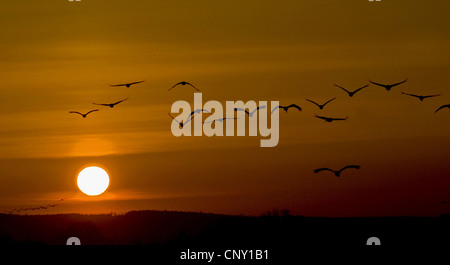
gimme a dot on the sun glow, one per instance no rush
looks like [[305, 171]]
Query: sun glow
[[93, 181]]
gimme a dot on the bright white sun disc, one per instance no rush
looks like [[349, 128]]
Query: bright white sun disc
[[93, 181]]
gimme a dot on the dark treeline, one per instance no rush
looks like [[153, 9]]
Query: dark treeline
[[196, 230]]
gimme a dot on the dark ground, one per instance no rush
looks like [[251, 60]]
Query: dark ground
[[167, 233]]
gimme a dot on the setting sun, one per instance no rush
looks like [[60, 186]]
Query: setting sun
[[93, 180]]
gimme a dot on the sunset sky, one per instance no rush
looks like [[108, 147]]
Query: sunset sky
[[58, 56]]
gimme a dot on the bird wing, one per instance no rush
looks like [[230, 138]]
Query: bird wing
[[430, 96], [343, 89], [360, 88], [444, 106], [321, 117], [92, 111], [192, 113], [339, 119], [294, 106], [75, 112], [200, 110], [313, 102], [189, 118], [118, 85], [218, 120], [277, 107], [328, 101], [221, 120], [100, 104], [133, 83], [234, 118], [115, 103], [378, 84], [396, 84], [412, 95], [351, 166], [261, 107], [322, 169], [187, 83], [175, 85], [174, 118], [241, 109]]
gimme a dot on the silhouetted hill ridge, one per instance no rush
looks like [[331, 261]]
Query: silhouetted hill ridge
[[196, 229]]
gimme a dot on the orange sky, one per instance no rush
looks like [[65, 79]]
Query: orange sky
[[58, 56]]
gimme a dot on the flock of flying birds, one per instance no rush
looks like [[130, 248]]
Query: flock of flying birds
[[337, 173], [112, 105], [388, 87], [42, 207], [84, 115]]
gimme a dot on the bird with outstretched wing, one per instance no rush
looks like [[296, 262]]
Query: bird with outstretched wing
[[389, 87], [180, 122], [321, 106], [128, 84], [83, 114], [285, 108], [351, 93], [328, 119], [337, 173], [183, 83], [111, 105], [421, 98]]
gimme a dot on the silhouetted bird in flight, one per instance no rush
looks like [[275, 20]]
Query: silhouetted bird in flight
[[327, 119], [84, 115], [221, 120], [388, 87], [111, 105], [128, 84], [180, 122], [323, 105], [197, 111], [421, 98], [183, 83], [351, 93], [285, 108], [250, 113], [338, 172], [442, 107]]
